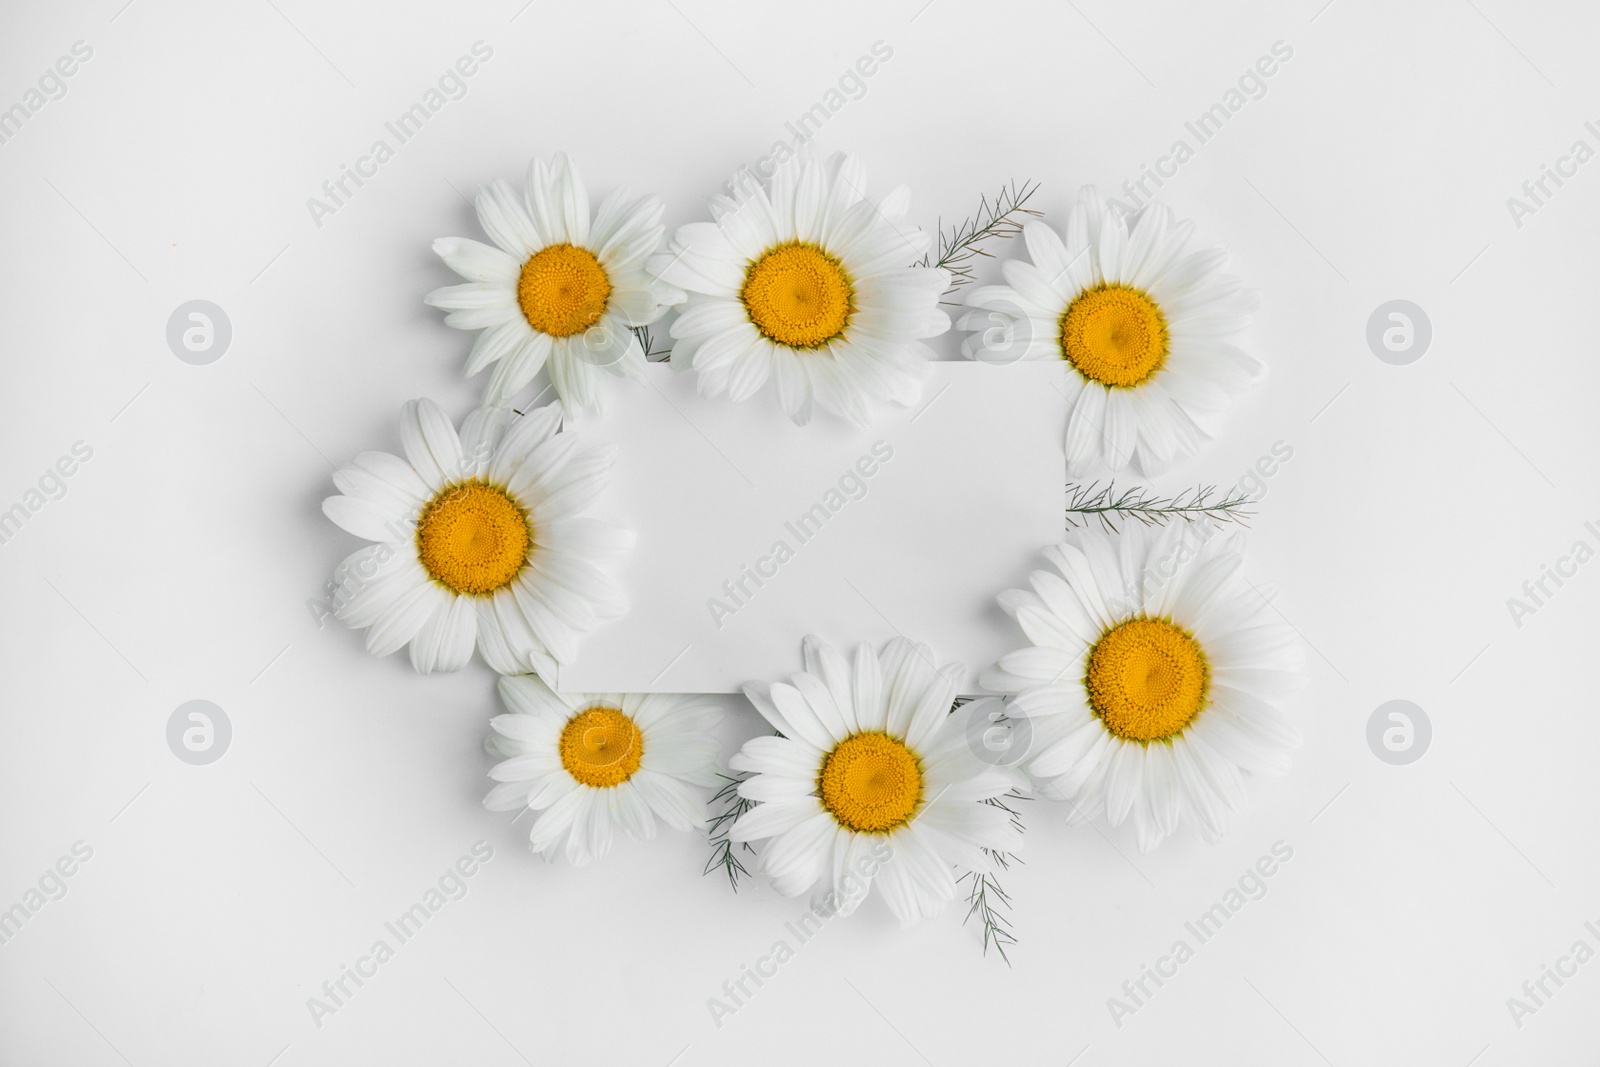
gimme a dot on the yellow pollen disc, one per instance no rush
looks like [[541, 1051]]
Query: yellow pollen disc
[[1147, 679], [601, 747], [1114, 334], [473, 538], [798, 295], [563, 290], [870, 782]]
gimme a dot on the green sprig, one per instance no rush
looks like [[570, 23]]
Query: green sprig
[[997, 218], [986, 899], [1108, 504], [724, 856], [643, 334]]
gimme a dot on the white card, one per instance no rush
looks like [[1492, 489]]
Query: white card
[[754, 532]]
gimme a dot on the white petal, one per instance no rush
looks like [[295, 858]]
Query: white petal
[[478, 262], [431, 443], [503, 218]]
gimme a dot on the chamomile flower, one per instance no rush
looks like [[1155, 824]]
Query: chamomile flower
[[1145, 325], [871, 781], [593, 763], [807, 283], [482, 539], [556, 289], [1152, 683]]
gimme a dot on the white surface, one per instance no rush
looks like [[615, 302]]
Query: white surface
[[924, 515], [179, 563]]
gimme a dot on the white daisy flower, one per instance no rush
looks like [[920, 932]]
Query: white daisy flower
[[871, 782], [591, 762], [482, 539], [1145, 326], [807, 283], [1152, 681], [555, 289]]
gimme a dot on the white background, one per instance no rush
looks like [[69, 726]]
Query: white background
[[179, 564], [894, 558]]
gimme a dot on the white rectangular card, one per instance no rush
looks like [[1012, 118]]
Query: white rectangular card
[[754, 532]]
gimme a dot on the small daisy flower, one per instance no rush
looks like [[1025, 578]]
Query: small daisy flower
[[555, 289], [871, 781], [806, 283], [591, 763], [1145, 325], [1153, 679], [482, 539]]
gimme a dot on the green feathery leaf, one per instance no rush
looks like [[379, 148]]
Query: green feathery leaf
[[1107, 503], [724, 856], [998, 218], [985, 897], [643, 334]]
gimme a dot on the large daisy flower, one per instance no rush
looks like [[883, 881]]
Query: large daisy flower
[[807, 283], [1145, 325], [555, 289], [871, 782], [481, 539], [1152, 681], [592, 762]]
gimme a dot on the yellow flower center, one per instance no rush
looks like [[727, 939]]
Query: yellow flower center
[[1114, 334], [798, 295], [563, 290], [473, 538], [870, 783], [1147, 679], [601, 747]]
